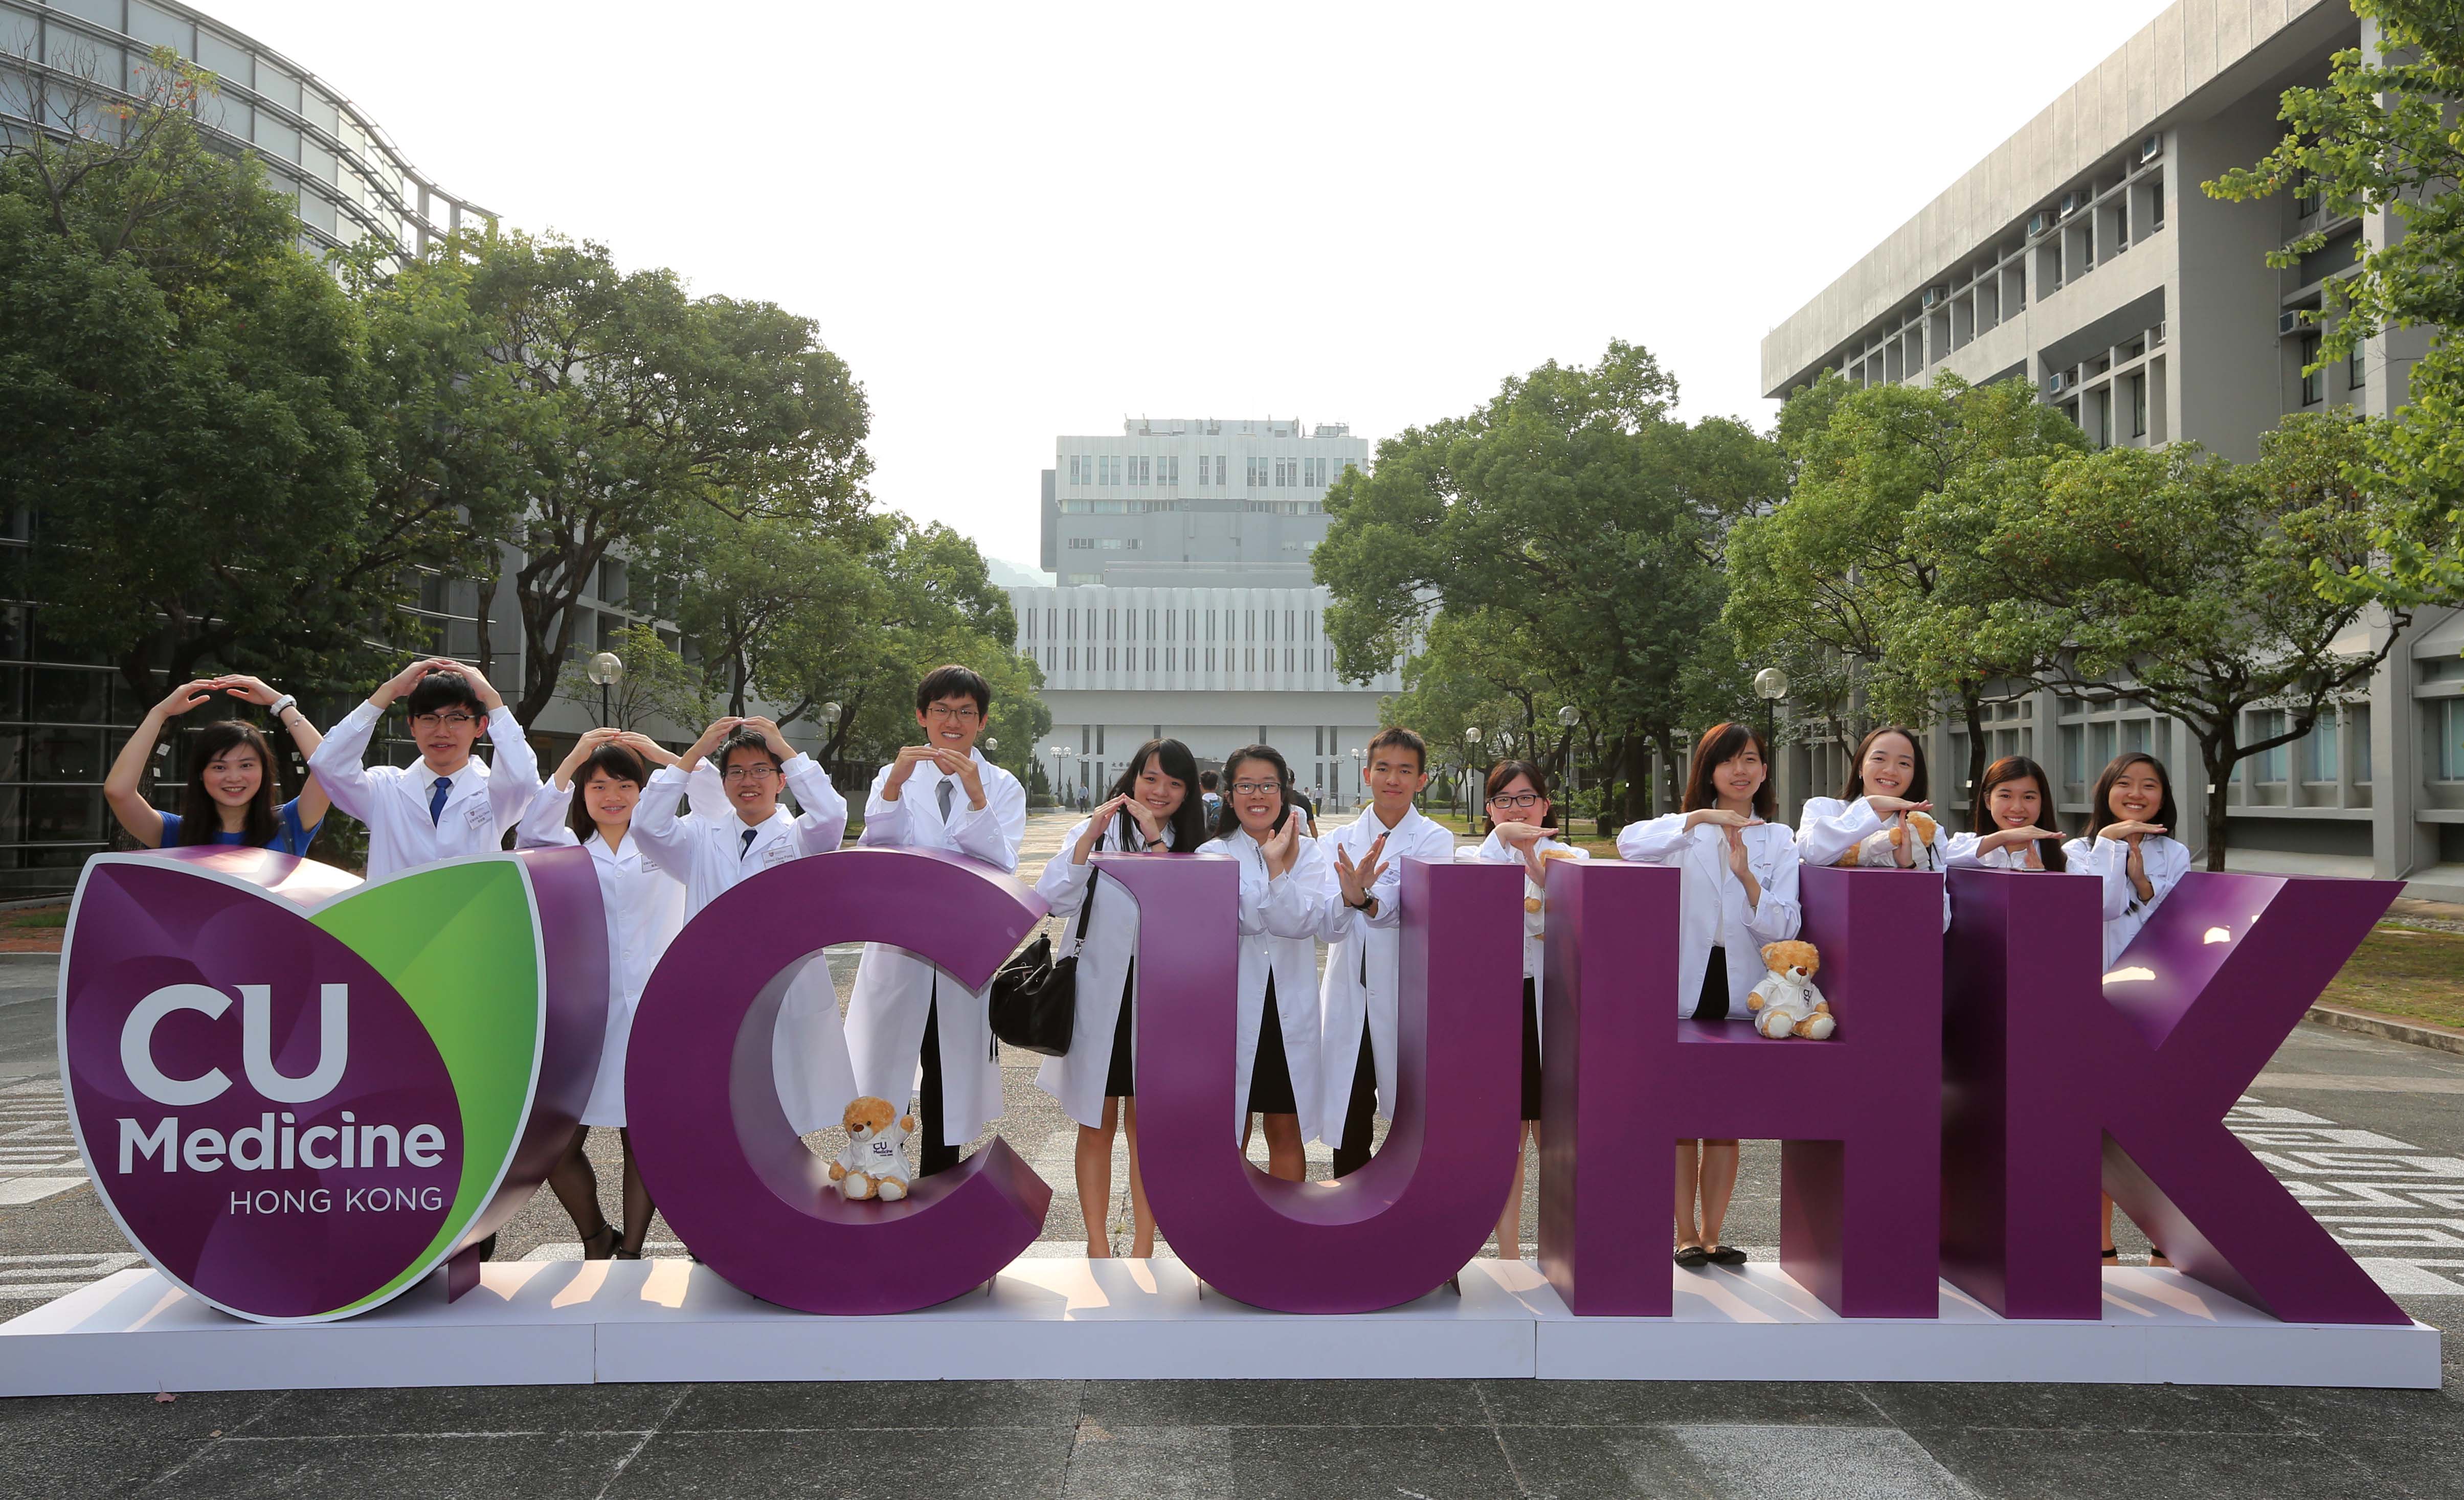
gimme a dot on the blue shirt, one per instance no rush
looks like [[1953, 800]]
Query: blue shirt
[[292, 839]]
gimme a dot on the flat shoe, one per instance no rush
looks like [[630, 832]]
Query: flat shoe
[[1692, 1256], [1728, 1255]]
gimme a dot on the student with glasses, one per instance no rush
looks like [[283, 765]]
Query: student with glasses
[[715, 848], [940, 795], [1520, 832], [449, 803], [1282, 912]]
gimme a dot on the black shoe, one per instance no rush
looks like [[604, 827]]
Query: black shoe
[[599, 1244], [1692, 1257], [1728, 1255]]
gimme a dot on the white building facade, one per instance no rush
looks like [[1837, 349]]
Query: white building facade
[[2083, 256], [1185, 607]]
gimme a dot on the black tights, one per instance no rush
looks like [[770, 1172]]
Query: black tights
[[1360, 1119], [933, 1153], [577, 1186]]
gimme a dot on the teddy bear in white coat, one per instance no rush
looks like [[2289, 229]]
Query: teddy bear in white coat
[[874, 1162], [1785, 1003]]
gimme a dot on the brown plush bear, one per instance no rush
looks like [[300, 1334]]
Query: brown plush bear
[[1881, 850], [872, 1164], [1785, 1003]]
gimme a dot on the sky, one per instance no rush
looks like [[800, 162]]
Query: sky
[[1019, 221]]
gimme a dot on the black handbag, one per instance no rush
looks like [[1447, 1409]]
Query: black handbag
[[1034, 999]]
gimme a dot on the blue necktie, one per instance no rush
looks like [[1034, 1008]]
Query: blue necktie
[[436, 798], [748, 842], [943, 792]]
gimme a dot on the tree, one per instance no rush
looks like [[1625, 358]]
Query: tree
[[617, 408], [2380, 138], [182, 398], [1570, 507], [658, 685], [765, 584], [2183, 582], [1847, 576]]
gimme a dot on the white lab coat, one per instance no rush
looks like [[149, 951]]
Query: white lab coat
[[484, 804], [894, 988], [645, 906], [1963, 856], [1076, 1077], [1711, 905], [1363, 965], [1535, 923], [1282, 918], [2164, 859], [705, 849], [1828, 830]]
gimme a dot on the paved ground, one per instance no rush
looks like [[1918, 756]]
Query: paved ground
[[2367, 1133]]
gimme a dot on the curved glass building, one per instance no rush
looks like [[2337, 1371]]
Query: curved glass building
[[348, 178]]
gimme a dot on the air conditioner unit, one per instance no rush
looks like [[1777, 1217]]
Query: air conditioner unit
[[2151, 148], [2057, 383], [2288, 323], [2155, 336], [2073, 203], [2040, 221], [1933, 296]]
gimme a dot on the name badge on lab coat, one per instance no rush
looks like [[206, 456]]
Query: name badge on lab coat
[[779, 852], [477, 815]]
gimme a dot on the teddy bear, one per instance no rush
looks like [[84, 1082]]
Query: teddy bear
[[1879, 851], [1785, 1003], [874, 1162], [1533, 904]]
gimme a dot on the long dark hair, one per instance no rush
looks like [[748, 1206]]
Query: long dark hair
[[2101, 809], [1716, 747], [1856, 787], [2010, 769], [201, 816], [1188, 821], [1502, 776], [613, 760], [1226, 819]]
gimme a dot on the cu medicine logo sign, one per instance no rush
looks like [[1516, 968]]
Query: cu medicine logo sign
[[298, 1095]]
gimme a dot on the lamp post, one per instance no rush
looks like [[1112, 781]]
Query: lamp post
[[1567, 719], [1770, 686], [1358, 755], [607, 669], [1060, 751], [1471, 752]]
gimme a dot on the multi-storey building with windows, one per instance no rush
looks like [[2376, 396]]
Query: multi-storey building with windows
[[2081, 256], [1185, 606]]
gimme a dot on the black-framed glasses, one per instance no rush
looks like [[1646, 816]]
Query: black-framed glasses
[[1517, 800], [450, 721], [1255, 789], [945, 714], [748, 774]]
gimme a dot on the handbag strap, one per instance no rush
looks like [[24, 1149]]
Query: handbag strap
[[1086, 912]]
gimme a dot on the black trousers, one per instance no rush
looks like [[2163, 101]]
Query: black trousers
[[936, 1155], [1360, 1119]]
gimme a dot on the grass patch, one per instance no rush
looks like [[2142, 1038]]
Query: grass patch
[[2408, 972], [34, 919]]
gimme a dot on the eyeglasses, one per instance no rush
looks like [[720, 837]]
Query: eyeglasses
[[1518, 800], [450, 721], [748, 774], [945, 714], [1255, 789]]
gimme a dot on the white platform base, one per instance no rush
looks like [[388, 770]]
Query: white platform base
[[568, 1322]]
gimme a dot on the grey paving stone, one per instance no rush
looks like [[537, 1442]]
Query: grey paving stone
[[1639, 1403], [1150, 1464], [1837, 1463], [137, 1419], [843, 1406], [1312, 1464], [2095, 1408], [423, 1467], [1284, 1404], [2097, 1466], [2428, 1465], [1605, 1463], [88, 1468], [469, 1410], [982, 1465]]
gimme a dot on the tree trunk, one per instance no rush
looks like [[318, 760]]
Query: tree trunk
[[1976, 761], [2217, 756], [487, 654], [1633, 763]]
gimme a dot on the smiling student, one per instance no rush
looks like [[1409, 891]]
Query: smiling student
[[1520, 832], [232, 776], [1282, 911], [939, 795], [1886, 782], [449, 803], [1154, 808], [1360, 1023], [2014, 803], [712, 850], [1739, 892], [589, 801]]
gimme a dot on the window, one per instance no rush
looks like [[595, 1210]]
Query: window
[[2314, 380], [1174, 465], [1250, 621], [1288, 659], [1112, 624], [1151, 635], [1251, 653], [1073, 468], [2450, 739], [1210, 659], [1250, 470], [2139, 405], [2357, 374], [2320, 753], [2268, 764], [1150, 658], [1219, 461], [1073, 657], [1201, 468]]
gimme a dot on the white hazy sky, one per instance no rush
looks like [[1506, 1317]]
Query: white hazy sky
[[1022, 221]]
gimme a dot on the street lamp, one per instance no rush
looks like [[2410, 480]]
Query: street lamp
[[1567, 719], [1358, 755], [1770, 686], [1471, 738], [607, 669]]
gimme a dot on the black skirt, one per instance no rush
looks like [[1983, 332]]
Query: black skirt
[[1530, 1050], [1270, 1073], [1714, 1004], [1120, 1075]]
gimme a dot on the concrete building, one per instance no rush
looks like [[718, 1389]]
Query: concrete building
[[1185, 607], [2081, 256]]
